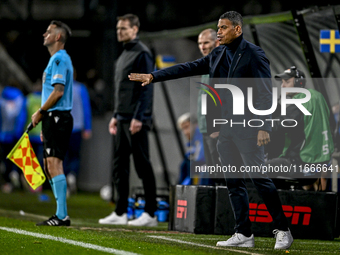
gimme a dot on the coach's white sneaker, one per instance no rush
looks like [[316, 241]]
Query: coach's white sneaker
[[284, 239], [114, 219], [144, 220], [238, 240]]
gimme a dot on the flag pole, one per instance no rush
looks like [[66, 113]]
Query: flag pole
[[29, 127]]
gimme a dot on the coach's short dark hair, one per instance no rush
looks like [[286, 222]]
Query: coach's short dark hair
[[66, 31], [235, 18], [132, 18]]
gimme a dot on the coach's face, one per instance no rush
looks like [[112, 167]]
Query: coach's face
[[227, 32], [126, 33]]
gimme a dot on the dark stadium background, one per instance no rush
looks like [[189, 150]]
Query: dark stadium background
[[94, 43]]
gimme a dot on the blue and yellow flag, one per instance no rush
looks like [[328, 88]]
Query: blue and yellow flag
[[164, 61], [329, 41]]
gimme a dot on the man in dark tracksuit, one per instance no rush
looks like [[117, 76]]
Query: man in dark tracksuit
[[130, 124], [236, 58]]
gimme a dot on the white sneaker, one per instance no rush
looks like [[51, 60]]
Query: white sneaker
[[144, 220], [114, 219], [284, 239], [238, 240], [71, 180], [15, 178]]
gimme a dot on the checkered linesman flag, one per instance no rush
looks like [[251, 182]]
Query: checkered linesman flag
[[24, 157]]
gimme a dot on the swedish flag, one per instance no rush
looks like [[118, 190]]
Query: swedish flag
[[165, 61], [329, 41]]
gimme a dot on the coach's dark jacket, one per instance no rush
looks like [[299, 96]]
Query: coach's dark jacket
[[249, 61], [131, 99]]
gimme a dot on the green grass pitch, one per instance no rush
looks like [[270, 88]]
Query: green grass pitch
[[19, 211]]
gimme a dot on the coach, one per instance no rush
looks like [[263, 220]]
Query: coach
[[236, 58]]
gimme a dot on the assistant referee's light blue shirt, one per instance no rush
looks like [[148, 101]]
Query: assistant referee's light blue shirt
[[59, 70]]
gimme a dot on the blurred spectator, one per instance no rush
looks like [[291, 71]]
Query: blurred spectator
[[207, 41], [308, 140], [336, 113], [82, 129], [13, 117], [336, 154], [195, 152]]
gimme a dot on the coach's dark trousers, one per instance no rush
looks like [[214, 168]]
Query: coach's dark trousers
[[236, 152], [124, 145]]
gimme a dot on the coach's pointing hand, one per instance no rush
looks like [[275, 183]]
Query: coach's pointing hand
[[144, 78]]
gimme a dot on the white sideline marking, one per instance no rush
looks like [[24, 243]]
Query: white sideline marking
[[40, 217], [203, 245], [68, 241]]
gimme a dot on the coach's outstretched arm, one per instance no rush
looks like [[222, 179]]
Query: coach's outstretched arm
[[141, 77]]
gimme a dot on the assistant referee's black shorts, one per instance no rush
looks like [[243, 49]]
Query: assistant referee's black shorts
[[56, 128]]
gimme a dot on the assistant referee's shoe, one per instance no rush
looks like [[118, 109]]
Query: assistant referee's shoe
[[55, 221]]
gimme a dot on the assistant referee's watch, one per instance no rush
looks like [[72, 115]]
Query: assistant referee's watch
[[43, 112]]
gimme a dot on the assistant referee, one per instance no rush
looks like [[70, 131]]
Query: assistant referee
[[57, 121]]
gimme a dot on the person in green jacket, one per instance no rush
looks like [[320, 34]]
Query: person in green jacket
[[309, 144]]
